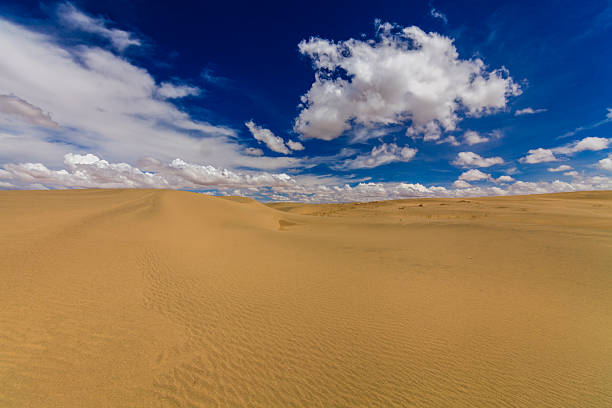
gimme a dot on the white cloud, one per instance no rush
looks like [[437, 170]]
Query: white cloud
[[588, 143], [15, 106], [363, 134], [265, 136], [511, 171], [406, 75], [87, 171], [380, 155], [563, 167], [504, 179], [452, 140], [437, 14], [605, 164], [471, 138], [172, 91], [295, 145], [461, 184], [474, 175], [571, 173], [75, 18], [105, 105], [429, 131], [528, 111], [471, 159], [538, 155], [541, 155]]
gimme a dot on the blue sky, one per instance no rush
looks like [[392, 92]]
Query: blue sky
[[308, 101]]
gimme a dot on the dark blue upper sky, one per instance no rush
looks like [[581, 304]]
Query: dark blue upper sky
[[234, 62]]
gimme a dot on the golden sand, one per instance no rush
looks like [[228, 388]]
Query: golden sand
[[142, 298]]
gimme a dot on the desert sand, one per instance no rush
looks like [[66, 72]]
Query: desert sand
[[149, 298]]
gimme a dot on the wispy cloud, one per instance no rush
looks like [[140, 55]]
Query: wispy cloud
[[76, 19], [15, 106], [438, 14], [209, 75], [528, 111], [571, 133], [563, 167], [272, 142], [588, 143], [174, 91]]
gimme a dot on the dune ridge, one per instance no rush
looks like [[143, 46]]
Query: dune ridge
[[156, 298]]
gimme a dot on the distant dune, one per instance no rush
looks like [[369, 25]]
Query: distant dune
[[149, 298]]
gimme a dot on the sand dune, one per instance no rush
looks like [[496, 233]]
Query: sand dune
[[148, 298]]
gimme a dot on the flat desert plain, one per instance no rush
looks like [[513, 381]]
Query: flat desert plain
[[150, 298]]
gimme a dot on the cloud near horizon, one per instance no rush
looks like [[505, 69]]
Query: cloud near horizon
[[89, 171]]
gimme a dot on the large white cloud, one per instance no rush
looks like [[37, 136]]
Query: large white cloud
[[104, 104], [379, 155], [404, 75], [471, 159]]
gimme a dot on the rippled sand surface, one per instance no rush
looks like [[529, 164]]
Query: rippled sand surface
[[142, 298]]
